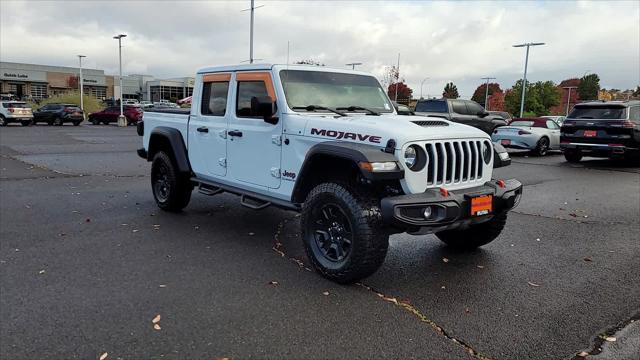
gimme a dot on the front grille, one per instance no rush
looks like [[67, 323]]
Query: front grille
[[430, 123], [450, 162]]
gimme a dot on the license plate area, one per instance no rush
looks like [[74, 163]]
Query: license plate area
[[505, 142], [481, 205], [590, 133]]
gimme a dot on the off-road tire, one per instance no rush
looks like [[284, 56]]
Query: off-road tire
[[474, 236], [171, 190], [3, 121], [368, 240], [542, 147], [573, 156]]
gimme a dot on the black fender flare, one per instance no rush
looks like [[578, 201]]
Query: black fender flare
[[353, 152], [173, 137]]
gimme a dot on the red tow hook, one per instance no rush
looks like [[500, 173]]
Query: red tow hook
[[501, 183], [444, 192]]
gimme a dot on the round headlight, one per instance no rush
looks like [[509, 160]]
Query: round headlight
[[487, 149], [410, 156]]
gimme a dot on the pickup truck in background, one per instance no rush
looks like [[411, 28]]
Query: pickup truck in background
[[329, 144], [466, 112]]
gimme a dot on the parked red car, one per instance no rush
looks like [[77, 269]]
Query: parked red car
[[110, 114]]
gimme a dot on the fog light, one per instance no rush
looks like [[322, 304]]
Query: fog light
[[427, 212]]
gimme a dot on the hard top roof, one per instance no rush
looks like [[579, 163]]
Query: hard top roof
[[617, 103], [251, 67]]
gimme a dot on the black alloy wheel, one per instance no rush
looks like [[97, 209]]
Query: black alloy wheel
[[332, 233]]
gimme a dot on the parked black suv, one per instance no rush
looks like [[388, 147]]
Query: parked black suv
[[466, 112], [58, 114], [601, 129]]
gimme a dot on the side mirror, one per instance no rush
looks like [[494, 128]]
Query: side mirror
[[500, 156], [265, 108]]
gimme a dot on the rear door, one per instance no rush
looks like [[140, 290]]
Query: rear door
[[208, 126], [254, 146]]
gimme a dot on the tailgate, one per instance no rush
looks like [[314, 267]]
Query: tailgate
[[597, 131]]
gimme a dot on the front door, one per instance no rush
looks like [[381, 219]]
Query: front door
[[254, 145], [208, 127]]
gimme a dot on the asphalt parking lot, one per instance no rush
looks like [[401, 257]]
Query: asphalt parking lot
[[87, 262]]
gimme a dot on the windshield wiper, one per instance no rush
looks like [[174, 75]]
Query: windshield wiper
[[318, 107], [354, 108]]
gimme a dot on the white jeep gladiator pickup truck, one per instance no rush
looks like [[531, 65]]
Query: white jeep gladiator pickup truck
[[328, 143]]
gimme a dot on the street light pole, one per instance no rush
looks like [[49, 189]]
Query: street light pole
[[569, 96], [81, 85], [422, 83], [121, 119], [486, 92], [397, 78], [353, 65], [524, 81]]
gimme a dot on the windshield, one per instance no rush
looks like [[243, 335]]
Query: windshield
[[597, 112], [432, 106], [522, 123], [333, 90]]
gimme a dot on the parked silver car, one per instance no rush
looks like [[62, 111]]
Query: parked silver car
[[536, 134]]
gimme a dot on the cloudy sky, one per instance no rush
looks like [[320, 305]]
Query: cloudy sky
[[445, 41]]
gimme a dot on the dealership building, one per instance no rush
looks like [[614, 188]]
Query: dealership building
[[41, 81]]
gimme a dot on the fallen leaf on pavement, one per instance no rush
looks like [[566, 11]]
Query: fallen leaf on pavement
[[251, 233], [444, 259], [533, 284], [466, 310], [573, 215], [326, 293], [480, 267], [156, 326], [610, 339], [156, 319], [104, 356], [583, 354], [587, 259], [274, 283], [87, 220], [162, 286], [41, 272], [135, 230], [442, 287]]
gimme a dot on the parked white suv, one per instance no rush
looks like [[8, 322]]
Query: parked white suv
[[328, 143], [15, 111]]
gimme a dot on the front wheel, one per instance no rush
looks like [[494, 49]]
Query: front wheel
[[3, 121], [58, 122], [171, 190], [342, 233], [573, 156], [542, 147], [475, 235]]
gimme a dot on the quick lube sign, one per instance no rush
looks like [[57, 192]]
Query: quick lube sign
[[22, 75]]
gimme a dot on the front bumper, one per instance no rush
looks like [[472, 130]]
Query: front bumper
[[449, 211]]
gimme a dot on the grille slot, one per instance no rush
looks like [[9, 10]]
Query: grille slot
[[451, 162]]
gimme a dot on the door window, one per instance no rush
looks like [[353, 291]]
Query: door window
[[634, 113], [459, 107], [246, 91], [473, 108], [214, 98]]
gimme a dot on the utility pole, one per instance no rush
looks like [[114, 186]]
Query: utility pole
[[397, 78], [81, 85], [122, 121], [569, 96], [486, 92], [524, 81], [422, 83], [353, 65], [252, 8]]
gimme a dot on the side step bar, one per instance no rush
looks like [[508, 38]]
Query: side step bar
[[209, 190], [253, 203]]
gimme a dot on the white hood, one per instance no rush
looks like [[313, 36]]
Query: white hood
[[377, 130]]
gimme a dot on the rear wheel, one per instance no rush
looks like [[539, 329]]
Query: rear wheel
[[95, 121], [76, 123], [542, 147], [3, 121], [342, 232], [573, 156], [26, 122], [474, 236], [50, 122], [171, 190]]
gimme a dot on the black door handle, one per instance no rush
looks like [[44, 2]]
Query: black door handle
[[236, 133], [203, 129]]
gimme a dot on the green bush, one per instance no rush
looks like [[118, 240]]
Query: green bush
[[91, 104]]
